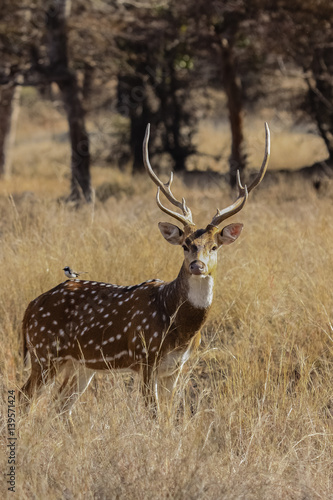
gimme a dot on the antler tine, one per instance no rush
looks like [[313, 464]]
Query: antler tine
[[186, 218], [264, 164], [243, 191], [224, 214]]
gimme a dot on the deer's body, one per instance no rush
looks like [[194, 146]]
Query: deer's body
[[152, 327], [128, 323], [100, 325]]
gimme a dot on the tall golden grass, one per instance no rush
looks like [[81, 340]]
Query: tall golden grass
[[253, 418]]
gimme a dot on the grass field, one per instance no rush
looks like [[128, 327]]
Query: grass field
[[254, 418]]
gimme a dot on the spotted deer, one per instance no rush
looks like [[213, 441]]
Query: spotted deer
[[153, 327]]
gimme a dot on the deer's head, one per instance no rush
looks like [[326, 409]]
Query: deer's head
[[201, 245]]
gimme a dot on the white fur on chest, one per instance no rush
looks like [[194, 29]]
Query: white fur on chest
[[200, 293]]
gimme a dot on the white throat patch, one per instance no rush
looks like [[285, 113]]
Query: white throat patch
[[200, 292]]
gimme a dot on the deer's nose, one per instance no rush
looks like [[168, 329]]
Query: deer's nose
[[197, 267]]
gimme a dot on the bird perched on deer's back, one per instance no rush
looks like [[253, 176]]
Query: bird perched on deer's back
[[70, 273]]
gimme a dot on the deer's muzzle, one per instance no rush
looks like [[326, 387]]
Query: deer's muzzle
[[197, 267]]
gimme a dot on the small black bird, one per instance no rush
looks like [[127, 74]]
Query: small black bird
[[72, 274]]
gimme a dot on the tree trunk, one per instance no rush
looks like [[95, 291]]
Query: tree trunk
[[138, 127], [9, 109], [321, 95], [133, 104], [232, 87], [80, 156], [66, 79], [174, 115]]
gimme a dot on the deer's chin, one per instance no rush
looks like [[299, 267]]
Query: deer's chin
[[198, 273], [201, 275]]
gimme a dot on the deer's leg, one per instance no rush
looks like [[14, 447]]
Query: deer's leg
[[34, 382], [39, 375], [160, 391], [74, 385], [148, 388], [170, 371], [164, 390]]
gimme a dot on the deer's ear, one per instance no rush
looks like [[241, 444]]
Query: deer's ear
[[171, 233], [229, 234]]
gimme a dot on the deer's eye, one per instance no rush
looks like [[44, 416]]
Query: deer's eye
[[214, 248]]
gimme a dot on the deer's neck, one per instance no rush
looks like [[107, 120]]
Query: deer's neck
[[186, 302], [200, 291], [194, 292]]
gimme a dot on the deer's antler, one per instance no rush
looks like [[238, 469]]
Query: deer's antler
[[243, 191], [186, 216]]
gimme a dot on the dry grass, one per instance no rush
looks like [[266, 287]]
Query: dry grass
[[255, 417]]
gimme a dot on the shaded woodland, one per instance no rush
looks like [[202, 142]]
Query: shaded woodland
[[159, 62]]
